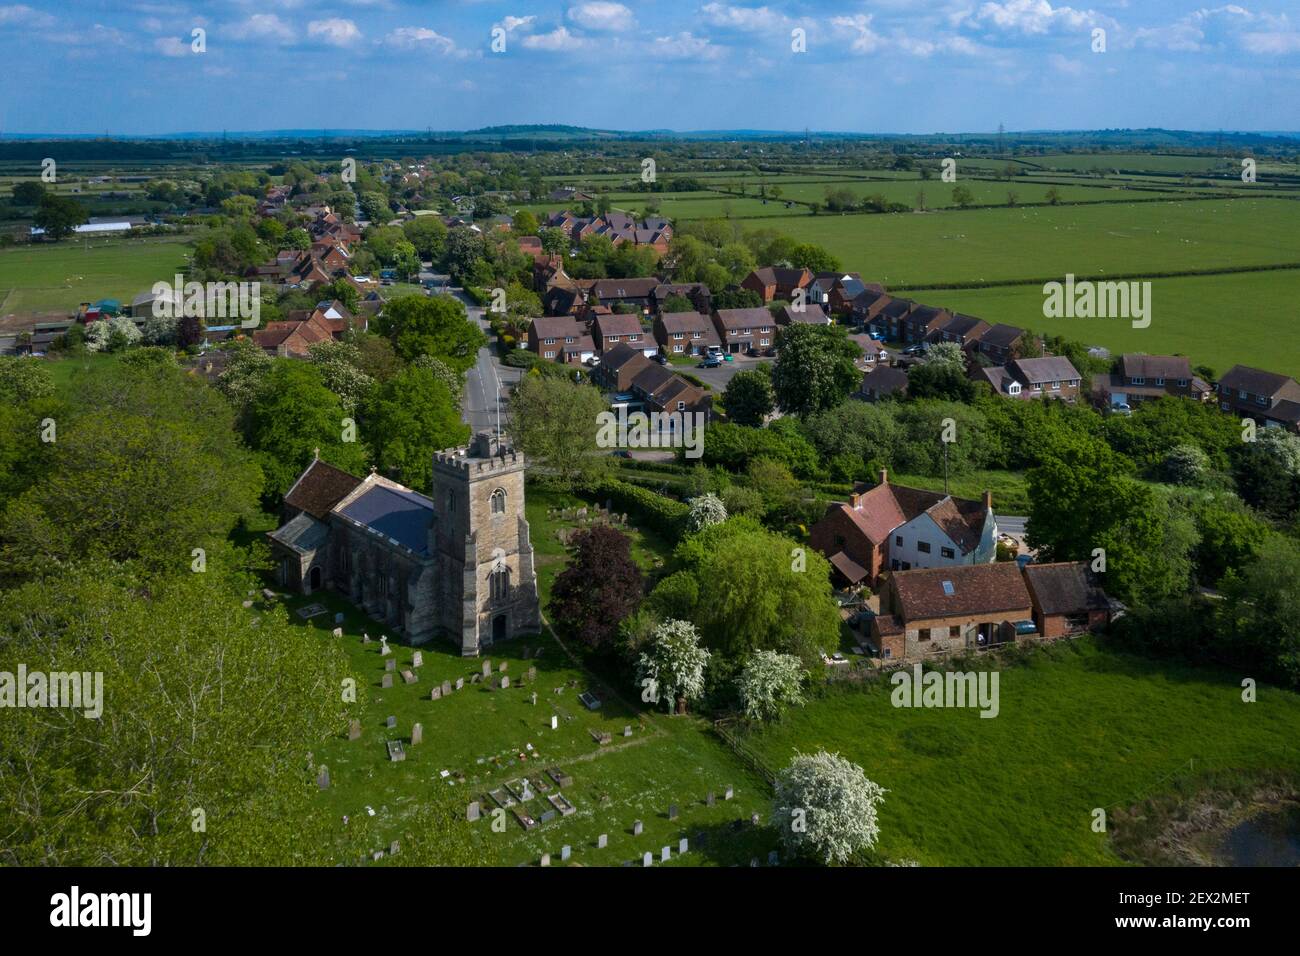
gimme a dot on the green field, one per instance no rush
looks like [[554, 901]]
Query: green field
[[1079, 727], [60, 276], [938, 194], [1246, 318]]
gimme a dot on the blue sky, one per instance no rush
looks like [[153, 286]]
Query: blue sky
[[892, 66]]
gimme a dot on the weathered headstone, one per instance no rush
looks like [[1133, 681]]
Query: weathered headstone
[[338, 617], [672, 811], [709, 799], [532, 673], [384, 649], [460, 682], [354, 729], [387, 681], [504, 666], [417, 734], [546, 859], [337, 632], [435, 694], [393, 848], [365, 638], [417, 660], [446, 688], [505, 682], [548, 816], [636, 828], [472, 811], [602, 841], [323, 778], [683, 845], [665, 854], [754, 819], [627, 731], [390, 665], [533, 698], [555, 722], [648, 859], [564, 852], [391, 722], [396, 751], [408, 676], [728, 793], [487, 668]]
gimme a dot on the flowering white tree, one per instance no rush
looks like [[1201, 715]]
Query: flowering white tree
[[706, 510], [826, 807], [672, 667], [97, 335], [769, 683], [159, 330]]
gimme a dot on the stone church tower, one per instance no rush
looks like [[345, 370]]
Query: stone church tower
[[487, 590]]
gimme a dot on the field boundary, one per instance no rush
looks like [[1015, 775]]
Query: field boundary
[[1102, 277]]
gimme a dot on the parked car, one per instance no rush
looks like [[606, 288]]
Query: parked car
[[661, 358], [710, 361], [878, 336], [918, 349]]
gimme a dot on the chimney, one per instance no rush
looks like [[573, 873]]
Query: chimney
[[988, 500], [884, 476]]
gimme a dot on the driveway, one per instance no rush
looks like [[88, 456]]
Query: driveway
[[717, 378]]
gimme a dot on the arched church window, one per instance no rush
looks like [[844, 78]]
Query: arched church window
[[499, 501]]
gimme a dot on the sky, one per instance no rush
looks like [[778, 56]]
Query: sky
[[896, 66]]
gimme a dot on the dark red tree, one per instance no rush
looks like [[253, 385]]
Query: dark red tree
[[601, 586]]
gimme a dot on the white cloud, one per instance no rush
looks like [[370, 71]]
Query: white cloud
[[1271, 44], [421, 38], [602, 15], [510, 24], [335, 31], [683, 46], [1063, 64], [865, 40], [171, 46], [558, 39], [1037, 17], [263, 26], [749, 19], [20, 14]]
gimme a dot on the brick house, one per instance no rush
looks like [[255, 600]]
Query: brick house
[[633, 292], [663, 391], [696, 292], [685, 333], [965, 330], [937, 611], [619, 366], [1067, 597], [811, 314], [883, 381], [1001, 343], [549, 336], [867, 304], [1141, 378], [920, 324], [619, 329], [894, 527], [889, 319], [744, 330], [1270, 399], [1053, 376], [776, 282]]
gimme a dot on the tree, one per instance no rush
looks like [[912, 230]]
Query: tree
[[814, 368], [671, 668], [525, 223], [1268, 472], [811, 256], [677, 303], [554, 241], [825, 807], [1185, 465], [59, 216], [291, 415], [28, 193], [600, 587], [340, 368], [454, 381], [940, 380], [962, 197], [946, 353], [22, 380], [706, 510], [769, 683], [1262, 607], [411, 416], [428, 235], [432, 325], [749, 398], [1053, 196], [464, 248], [554, 422]]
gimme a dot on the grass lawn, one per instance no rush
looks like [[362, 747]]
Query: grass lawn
[[1215, 320], [60, 276], [1089, 241], [484, 739], [938, 194], [1079, 727]]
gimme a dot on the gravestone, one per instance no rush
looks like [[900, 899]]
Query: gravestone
[[472, 811], [354, 729], [773, 859], [709, 799], [683, 845], [247, 605], [648, 859], [533, 698], [546, 859], [391, 722], [365, 638], [505, 665], [435, 694], [475, 678], [548, 816], [754, 819], [323, 778], [672, 811], [446, 688], [418, 659], [665, 854], [728, 794], [337, 632], [532, 673], [564, 852], [460, 682], [602, 841], [338, 617], [408, 677], [396, 751], [753, 861], [505, 683], [636, 828], [487, 668], [390, 665], [387, 681], [417, 734], [555, 722], [384, 649], [627, 731], [393, 848]]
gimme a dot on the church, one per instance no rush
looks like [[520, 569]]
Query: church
[[457, 563]]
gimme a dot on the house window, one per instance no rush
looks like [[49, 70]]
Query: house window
[[549, 341], [954, 632], [1243, 394], [548, 355], [948, 552], [677, 348], [634, 338], [762, 341], [898, 540], [923, 547], [697, 335], [1160, 381], [1182, 383], [499, 501], [923, 634], [681, 406], [678, 336], [612, 338], [1056, 386], [1139, 380]]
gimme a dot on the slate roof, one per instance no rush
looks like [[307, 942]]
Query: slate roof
[[617, 324], [755, 318], [1051, 368], [976, 589], [320, 488], [1258, 382], [1174, 367], [685, 322], [302, 533], [1001, 336], [396, 513], [1067, 587], [812, 314]]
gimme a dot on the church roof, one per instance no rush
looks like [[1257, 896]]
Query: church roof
[[320, 488], [303, 533], [396, 513]]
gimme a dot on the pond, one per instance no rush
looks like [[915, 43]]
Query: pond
[[1271, 838]]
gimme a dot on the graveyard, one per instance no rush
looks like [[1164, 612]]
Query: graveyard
[[542, 753]]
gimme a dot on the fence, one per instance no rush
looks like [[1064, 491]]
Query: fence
[[750, 759]]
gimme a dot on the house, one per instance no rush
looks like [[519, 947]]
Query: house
[[894, 527], [685, 333], [634, 292], [1270, 399], [744, 330], [293, 337], [619, 366], [696, 292], [616, 328], [867, 305], [937, 611], [1001, 343], [549, 336], [1141, 378], [663, 391], [883, 381], [965, 330], [1051, 375], [457, 563], [776, 282], [889, 319], [1068, 598], [873, 353], [922, 323], [810, 314]]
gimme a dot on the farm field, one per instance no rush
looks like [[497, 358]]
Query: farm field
[[939, 194], [1215, 320], [1079, 727], [1093, 241], [60, 276]]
